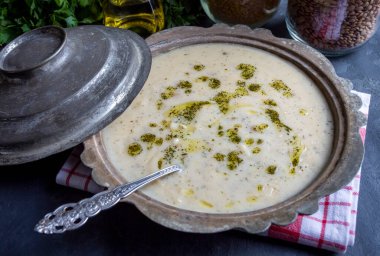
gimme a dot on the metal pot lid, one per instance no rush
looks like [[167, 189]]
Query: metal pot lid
[[59, 86]]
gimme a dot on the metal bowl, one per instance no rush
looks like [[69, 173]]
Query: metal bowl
[[344, 162]]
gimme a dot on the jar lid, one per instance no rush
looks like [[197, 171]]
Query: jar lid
[[59, 86]]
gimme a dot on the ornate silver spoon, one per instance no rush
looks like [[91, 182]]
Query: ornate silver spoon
[[74, 215]]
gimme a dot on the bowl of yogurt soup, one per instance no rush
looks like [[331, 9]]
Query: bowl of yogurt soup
[[262, 126]]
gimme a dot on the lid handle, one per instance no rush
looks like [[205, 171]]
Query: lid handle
[[32, 50]]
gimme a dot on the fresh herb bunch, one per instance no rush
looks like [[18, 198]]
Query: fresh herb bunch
[[18, 16], [182, 13]]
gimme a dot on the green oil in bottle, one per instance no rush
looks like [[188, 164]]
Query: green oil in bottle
[[144, 17]]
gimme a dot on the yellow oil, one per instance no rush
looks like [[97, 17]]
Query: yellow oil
[[144, 17]]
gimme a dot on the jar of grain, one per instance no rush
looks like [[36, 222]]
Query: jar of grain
[[253, 13], [334, 27]]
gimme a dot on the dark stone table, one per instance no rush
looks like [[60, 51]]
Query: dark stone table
[[29, 191]]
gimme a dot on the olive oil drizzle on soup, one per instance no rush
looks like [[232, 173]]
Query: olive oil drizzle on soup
[[249, 128]]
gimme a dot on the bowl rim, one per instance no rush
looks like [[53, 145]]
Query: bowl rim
[[347, 152]]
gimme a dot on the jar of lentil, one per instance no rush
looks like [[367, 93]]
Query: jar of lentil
[[334, 27], [253, 13]]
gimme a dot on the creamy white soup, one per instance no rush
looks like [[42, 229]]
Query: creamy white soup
[[249, 128]]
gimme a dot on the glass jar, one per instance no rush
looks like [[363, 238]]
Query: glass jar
[[144, 17], [253, 13], [334, 27]]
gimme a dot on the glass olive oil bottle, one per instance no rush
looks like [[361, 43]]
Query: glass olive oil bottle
[[144, 17]]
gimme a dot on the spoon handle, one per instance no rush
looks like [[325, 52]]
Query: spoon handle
[[74, 215]]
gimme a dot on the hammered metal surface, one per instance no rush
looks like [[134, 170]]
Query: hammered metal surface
[[344, 162], [80, 83]]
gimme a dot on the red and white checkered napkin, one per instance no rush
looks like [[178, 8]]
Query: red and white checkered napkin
[[331, 228]]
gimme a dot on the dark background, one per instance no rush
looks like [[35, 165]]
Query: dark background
[[29, 191]]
